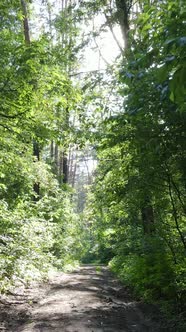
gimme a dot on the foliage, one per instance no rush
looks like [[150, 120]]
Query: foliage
[[36, 235], [138, 193], [135, 212], [36, 93]]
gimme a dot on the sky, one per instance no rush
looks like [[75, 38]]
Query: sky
[[103, 49]]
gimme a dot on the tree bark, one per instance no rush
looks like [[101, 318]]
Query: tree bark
[[52, 150], [25, 23], [36, 152], [123, 18], [175, 216], [56, 157], [65, 168], [147, 214]]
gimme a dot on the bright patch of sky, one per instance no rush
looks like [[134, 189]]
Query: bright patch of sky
[[102, 51], [103, 48]]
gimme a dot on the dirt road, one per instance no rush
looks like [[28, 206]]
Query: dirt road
[[87, 300]]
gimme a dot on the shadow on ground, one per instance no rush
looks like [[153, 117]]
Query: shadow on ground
[[88, 300]]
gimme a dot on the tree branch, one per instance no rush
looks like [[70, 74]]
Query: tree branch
[[112, 31], [175, 214], [12, 116]]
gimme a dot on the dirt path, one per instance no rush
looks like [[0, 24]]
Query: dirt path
[[87, 300]]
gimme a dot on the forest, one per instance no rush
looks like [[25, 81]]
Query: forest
[[93, 143]]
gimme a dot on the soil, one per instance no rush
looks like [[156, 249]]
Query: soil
[[89, 299]]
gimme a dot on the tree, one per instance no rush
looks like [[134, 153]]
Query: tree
[[35, 92], [139, 189]]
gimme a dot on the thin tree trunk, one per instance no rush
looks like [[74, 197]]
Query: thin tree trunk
[[52, 150], [74, 175], [60, 166], [147, 214], [56, 155], [70, 165], [36, 152], [175, 215], [65, 168], [25, 23], [123, 18]]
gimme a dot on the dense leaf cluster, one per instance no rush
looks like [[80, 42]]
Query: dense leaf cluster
[[37, 223]]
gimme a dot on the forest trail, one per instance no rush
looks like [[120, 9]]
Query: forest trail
[[89, 299]]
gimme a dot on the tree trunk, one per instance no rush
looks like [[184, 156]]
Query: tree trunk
[[65, 168], [25, 23], [36, 152], [56, 157], [123, 18], [52, 150], [176, 216], [147, 214], [74, 175]]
